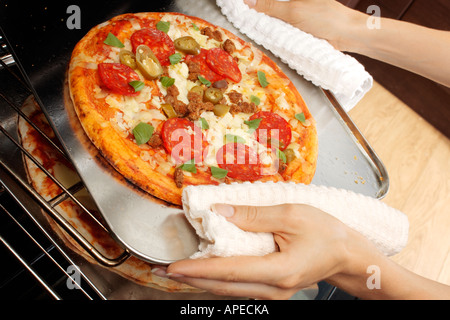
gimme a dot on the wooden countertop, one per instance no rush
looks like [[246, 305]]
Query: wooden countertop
[[417, 158]]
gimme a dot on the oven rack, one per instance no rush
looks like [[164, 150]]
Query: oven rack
[[13, 182], [34, 268]]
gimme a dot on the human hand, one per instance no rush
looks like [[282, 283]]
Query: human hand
[[325, 19], [313, 246]]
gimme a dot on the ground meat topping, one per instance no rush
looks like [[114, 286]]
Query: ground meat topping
[[178, 177], [245, 107], [155, 141], [235, 97], [216, 34], [180, 108], [229, 46], [194, 70], [194, 97], [195, 109]]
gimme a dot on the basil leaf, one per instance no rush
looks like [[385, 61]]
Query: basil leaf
[[281, 155], [111, 40], [218, 173], [167, 82], [255, 100], [205, 125], [189, 166], [163, 26], [300, 117], [175, 58], [137, 85], [262, 79], [204, 81], [234, 138], [196, 28], [253, 124], [143, 132]]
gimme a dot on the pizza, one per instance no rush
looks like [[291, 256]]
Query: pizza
[[171, 100], [58, 166]]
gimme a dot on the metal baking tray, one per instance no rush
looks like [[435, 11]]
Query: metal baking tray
[[149, 228]]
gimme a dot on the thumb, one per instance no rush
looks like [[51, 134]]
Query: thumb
[[254, 219], [277, 9]]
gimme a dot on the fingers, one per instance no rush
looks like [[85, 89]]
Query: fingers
[[232, 269], [238, 289], [278, 9], [237, 276], [257, 219]]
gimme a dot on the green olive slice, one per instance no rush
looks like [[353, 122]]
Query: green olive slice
[[187, 45], [169, 110], [147, 63], [290, 155], [213, 95], [127, 58], [221, 109]]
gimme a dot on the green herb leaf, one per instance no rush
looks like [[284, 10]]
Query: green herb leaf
[[175, 58], [163, 26], [189, 166], [111, 40], [255, 100], [137, 85], [253, 124], [300, 117], [205, 125], [204, 81], [218, 173], [167, 82], [233, 138], [281, 155], [143, 132], [196, 28], [262, 79]]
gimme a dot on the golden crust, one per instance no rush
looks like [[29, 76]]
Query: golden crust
[[124, 155]]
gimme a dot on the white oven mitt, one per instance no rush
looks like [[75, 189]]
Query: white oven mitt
[[315, 59], [386, 227]]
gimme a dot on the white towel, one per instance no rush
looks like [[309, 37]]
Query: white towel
[[315, 59], [386, 227]]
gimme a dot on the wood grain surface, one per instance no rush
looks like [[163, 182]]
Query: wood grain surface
[[417, 157]]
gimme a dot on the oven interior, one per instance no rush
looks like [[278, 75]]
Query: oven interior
[[35, 264]]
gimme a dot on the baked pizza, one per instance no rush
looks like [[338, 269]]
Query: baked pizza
[[172, 100]]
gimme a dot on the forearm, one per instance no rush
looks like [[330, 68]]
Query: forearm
[[368, 274], [412, 47]]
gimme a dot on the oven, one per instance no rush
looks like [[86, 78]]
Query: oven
[[36, 43]]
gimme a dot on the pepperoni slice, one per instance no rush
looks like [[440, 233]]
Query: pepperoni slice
[[205, 70], [116, 77], [222, 63], [240, 160], [160, 43], [183, 140], [273, 130]]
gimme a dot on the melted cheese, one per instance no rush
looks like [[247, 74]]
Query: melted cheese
[[180, 73], [235, 125], [133, 110]]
